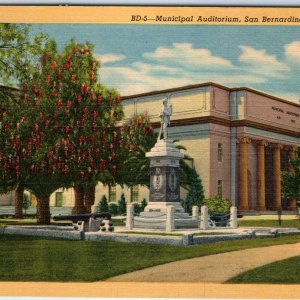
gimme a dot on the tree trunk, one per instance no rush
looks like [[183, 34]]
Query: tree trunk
[[79, 200], [89, 197], [18, 202], [43, 210]]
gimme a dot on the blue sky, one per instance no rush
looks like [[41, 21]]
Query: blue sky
[[141, 58]]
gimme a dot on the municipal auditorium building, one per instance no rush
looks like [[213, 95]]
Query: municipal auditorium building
[[239, 139]]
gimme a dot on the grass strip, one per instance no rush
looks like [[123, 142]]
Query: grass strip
[[175, 234], [213, 233], [22, 222], [151, 233], [269, 223], [25, 258], [283, 271]]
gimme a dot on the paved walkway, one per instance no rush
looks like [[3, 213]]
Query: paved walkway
[[212, 268]]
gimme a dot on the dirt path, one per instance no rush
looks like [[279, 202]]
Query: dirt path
[[213, 268]]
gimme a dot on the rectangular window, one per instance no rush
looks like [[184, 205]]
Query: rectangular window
[[59, 199], [220, 188], [220, 152], [134, 193], [112, 193]]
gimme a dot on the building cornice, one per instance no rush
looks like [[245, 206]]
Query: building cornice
[[248, 123], [208, 84], [229, 123]]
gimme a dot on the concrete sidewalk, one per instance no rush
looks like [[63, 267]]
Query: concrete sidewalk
[[213, 268]]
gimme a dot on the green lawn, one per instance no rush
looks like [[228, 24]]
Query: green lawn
[[269, 223], [152, 233], [36, 259], [11, 221], [175, 234], [4, 222], [284, 271], [118, 222]]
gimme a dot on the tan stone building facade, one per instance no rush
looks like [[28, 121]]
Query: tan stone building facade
[[240, 140]]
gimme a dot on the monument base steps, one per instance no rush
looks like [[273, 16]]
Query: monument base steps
[[157, 220]]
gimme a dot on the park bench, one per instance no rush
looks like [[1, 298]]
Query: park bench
[[89, 222]]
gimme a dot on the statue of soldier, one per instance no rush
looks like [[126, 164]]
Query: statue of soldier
[[165, 116]]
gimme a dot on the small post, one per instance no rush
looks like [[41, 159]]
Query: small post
[[233, 217], [204, 218], [170, 222], [279, 213], [129, 216], [91, 224], [195, 212]]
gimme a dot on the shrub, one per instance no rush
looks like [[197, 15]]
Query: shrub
[[103, 205], [25, 202], [195, 195], [217, 205], [122, 205], [113, 209], [143, 204], [137, 208]]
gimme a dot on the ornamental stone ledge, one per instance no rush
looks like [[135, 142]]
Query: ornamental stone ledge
[[165, 148]]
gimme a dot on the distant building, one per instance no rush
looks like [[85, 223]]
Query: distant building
[[240, 140]]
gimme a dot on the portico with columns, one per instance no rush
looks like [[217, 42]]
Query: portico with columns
[[269, 191]]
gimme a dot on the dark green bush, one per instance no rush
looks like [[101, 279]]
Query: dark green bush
[[137, 208], [217, 205], [26, 202], [103, 205], [144, 203], [113, 209], [122, 205]]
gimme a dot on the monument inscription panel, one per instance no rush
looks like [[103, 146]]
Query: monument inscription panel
[[173, 184], [164, 184]]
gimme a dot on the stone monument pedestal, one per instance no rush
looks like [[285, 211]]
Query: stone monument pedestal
[[164, 190]]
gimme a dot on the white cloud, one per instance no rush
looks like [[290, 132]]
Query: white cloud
[[292, 52], [132, 80], [141, 77], [293, 97], [183, 65], [184, 54], [260, 62], [109, 58], [148, 68]]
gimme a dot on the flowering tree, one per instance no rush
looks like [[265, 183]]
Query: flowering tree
[[76, 117], [18, 54], [67, 132]]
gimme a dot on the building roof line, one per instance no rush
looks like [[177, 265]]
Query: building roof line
[[207, 84]]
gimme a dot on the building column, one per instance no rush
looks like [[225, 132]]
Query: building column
[[277, 176], [261, 188], [292, 153], [243, 173]]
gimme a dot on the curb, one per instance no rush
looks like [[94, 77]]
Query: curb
[[184, 240]]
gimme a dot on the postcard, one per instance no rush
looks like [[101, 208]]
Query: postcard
[[149, 152]]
